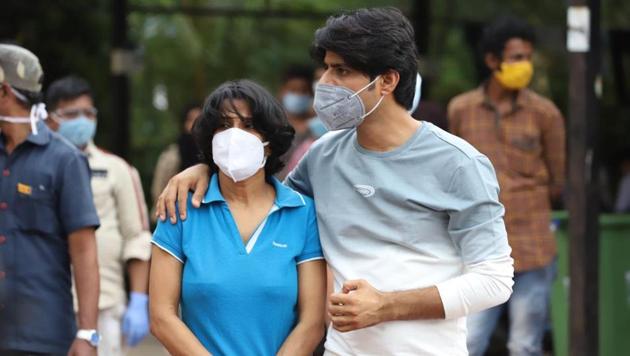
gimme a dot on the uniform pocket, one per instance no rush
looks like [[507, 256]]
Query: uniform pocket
[[36, 211]]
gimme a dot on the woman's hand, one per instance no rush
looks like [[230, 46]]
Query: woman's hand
[[310, 328], [195, 178]]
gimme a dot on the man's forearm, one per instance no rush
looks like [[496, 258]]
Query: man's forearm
[[138, 271], [413, 304], [82, 245], [360, 305]]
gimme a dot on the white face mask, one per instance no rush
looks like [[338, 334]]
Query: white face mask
[[38, 113], [238, 153]]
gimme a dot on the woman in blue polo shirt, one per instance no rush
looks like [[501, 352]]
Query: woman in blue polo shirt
[[246, 266]]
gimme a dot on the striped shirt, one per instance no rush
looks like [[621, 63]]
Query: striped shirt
[[527, 148]]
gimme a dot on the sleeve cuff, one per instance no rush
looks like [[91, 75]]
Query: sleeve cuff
[[168, 250], [485, 286], [454, 306], [309, 260], [82, 222], [138, 247], [309, 256]]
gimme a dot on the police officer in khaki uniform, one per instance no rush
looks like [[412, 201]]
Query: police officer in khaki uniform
[[123, 240]]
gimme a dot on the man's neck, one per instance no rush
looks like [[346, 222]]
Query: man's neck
[[14, 134], [387, 128], [498, 94]]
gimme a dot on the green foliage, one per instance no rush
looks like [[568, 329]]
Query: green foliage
[[190, 55], [69, 37]]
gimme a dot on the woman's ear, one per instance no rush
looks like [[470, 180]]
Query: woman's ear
[[389, 81]]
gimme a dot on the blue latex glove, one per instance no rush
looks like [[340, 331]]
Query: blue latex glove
[[136, 319]]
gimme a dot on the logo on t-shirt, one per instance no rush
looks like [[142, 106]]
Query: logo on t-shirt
[[365, 190], [277, 244]]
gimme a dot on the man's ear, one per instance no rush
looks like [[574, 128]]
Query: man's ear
[[5, 94], [4, 90], [492, 62], [389, 81], [52, 124]]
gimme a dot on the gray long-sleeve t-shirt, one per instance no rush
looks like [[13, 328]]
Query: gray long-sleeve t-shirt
[[424, 214]]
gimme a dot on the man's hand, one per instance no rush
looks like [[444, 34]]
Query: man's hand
[[358, 306], [84, 258], [194, 178], [81, 347]]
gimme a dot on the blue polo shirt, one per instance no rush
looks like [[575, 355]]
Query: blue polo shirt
[[45, 195], [241, 299]]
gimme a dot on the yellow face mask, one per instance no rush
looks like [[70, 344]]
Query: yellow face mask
[[515, 75]]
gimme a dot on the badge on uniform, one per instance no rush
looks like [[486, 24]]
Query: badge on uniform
[[99, 173], [24, 189]]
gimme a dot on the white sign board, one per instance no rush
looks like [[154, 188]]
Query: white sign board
[[578, 29]]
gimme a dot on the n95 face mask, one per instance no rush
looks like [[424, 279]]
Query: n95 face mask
[[339, 107], [238, 153]]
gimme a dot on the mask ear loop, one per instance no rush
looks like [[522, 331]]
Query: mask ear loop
[[377, 103], [375, 107], [417, 94], [264, 161], [365, 87], [38, 112]]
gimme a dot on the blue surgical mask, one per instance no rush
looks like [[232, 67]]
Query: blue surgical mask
[[297, 104], [78, 131], [317, 127]]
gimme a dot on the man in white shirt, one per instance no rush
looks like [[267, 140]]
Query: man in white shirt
[[123, 239]]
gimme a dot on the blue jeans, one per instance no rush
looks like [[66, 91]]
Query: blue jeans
[[527, 308]]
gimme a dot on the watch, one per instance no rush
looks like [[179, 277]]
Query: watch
[[92, 336]]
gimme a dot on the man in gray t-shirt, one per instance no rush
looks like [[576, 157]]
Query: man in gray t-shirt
[[409, 217]]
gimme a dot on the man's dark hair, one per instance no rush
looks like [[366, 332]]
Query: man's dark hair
[[268, 118], [296, 71], [186, 109], [66, 88], [373, 41], [499, 32]]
